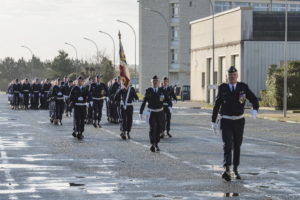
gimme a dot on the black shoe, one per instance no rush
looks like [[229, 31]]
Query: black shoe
[[226, 176], [80, 136], [74, 134], [162, 135], [152, 148], [157, 148], [123, 135], [60, 123], [169, 134], [51, 121], [95, 125], [237, 175], [99, 126], [128, 136]]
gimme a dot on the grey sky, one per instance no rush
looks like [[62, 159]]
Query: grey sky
[[44, 26]]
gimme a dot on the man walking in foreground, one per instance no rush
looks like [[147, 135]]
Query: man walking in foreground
[[230, 103]]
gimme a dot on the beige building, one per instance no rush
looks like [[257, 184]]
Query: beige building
[[250, 40]]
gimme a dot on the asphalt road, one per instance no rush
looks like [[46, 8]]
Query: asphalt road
[[42, 161]]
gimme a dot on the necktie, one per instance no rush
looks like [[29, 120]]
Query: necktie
[[232, 88]]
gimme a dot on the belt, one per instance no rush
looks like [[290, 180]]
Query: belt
[[128, 104], [59, 98], [165, 104], [35, 91], [232, 117], [25, 90], [101, 98], [46, 91], [16, 92], [155, 110], [80, 104]]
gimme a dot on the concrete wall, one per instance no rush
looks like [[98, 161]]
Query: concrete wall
[[153, 39], [231, 28]]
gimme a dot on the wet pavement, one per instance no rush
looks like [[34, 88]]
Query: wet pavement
[[42, 161]]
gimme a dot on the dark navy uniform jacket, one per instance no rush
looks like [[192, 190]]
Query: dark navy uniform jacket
[[153, 99], [78, 95], [122, 94], [233, 103], [98, 90]]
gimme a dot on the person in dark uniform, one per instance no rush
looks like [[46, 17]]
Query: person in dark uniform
[[36, 92], [155, 97], [16, 89], [46, 86], [167, 108], [89, 116], [79, 97], [98, 91], [10, 95], [56, 95], [125, 97], [113, 105], [26, 90], [67, 91], [230, 103]]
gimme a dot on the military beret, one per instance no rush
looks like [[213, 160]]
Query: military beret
[[79, 78], [232, 69], [99, 76], [166, 78], [70, 81]]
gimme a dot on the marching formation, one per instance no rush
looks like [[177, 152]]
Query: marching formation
[[84, 99]]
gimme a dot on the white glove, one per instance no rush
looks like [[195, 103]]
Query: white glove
[[175, 102], [136, 101], [254, 114], [171, 110], [91, 103], [141, 116], [215, 127]]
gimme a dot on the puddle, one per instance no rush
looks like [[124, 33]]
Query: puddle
[[76, 184], [158, 195], [218, 194]]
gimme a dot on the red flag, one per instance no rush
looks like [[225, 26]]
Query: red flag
[[124, 72]]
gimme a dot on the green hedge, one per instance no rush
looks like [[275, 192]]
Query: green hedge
[[273, 95]]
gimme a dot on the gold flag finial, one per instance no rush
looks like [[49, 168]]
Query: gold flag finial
[[119, 35]]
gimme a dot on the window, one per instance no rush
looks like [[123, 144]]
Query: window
[[175, 9], [174, 30], [221, 6], [203, 79], [174, 56], [261, 7], [278, 7], [191, 3]]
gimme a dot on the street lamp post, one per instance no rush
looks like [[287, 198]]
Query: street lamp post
[[134, 32], [167, 25], [213, 41], [97, 50], [114, 46], [285, 62], [76, 56], [31, 52]]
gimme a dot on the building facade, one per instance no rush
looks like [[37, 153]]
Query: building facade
[[165, 33], [250, 40]]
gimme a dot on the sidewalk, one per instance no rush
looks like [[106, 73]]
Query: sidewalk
[[264, 112]]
